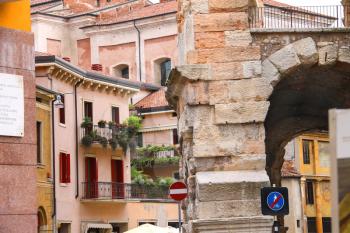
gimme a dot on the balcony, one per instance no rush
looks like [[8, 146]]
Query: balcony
[[297, 17], [123, 192]]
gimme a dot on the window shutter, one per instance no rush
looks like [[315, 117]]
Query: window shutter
[[113, 171], [96, 171], [68, 168], [61, 168]]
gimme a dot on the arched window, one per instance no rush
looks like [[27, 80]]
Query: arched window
[[121, 71], [42, 221], [162, 68]]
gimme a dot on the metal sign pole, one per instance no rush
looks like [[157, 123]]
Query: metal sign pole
[[179, 207]]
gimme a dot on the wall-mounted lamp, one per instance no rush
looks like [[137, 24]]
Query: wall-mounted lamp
[[58, 102]]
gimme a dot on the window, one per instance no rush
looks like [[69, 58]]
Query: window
[[311, 225], [88, 112], [324, 154], [173, 224], [62, 112], [115, 115], [121, 71], [307, 150], [327, 225], [165, 68], [147, 222], [64, 228], [38, 143], [175, 137], [64, 168], [174, 114], [125, 73], [309, 192], [139, 140]]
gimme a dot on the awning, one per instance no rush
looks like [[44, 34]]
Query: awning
[[98, 226]]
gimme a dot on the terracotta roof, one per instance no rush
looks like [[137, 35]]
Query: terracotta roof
[[289, 170], [153, 100], [143, 12]]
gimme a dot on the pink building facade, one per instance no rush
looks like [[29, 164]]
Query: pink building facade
[[131, 47]]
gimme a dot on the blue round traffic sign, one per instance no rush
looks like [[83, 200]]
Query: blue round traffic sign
[[275, 201]]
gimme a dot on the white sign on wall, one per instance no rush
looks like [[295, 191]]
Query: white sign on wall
[[11, 105]]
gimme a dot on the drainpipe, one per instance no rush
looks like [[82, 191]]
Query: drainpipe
[[76, 138], [53, 165], [139, 51]]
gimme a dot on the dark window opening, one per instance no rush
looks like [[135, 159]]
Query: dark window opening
[[175, 137], [174, 114], [311, 225], [176, 175], [165, 68], [307, 150], [309, 192], [152, 223], [327, 225], [115, 115], [38, 143], [139, 140], [173, 224], [125, 73], [88, 113], [62, 112], [64, 168]]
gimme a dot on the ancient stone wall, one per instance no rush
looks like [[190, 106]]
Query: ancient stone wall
[[222, 93]]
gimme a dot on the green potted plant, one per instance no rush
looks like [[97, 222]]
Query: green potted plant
[[102, 123], [113, 143], [87, 123], [111, 124]]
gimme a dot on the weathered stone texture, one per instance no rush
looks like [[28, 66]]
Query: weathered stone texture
[[286, 59], [328, 55], [227, 5], [216, 22], [210, 40], [238, 38], [344, 54], [238, 113]]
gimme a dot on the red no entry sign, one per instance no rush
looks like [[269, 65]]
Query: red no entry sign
[[178, 191]]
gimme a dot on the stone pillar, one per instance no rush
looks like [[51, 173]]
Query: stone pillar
[[303, 203], [221, 101], [18, 208], [346, 5], [318, 203]]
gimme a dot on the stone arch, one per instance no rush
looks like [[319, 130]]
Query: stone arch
[[42, 219], [121, 70], [307, 80], [157, 69]]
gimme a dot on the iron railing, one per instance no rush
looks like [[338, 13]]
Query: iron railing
[[284, 17], [106, 132], [123, 191]]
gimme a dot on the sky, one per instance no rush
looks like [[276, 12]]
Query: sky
[[302, 2]]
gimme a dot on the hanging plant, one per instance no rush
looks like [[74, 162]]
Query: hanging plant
[[113, 143], [87, 140], [103, 141], [111, 124]]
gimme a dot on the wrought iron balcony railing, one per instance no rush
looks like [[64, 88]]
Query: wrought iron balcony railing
[[294, 17], [106, 132], [123, 191]]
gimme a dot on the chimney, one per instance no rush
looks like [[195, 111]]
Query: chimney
[[96, 67], [66, 59]]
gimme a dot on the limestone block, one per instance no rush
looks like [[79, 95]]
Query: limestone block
[[328, 55], [242, 112], [306, 50], [196, 93], [210, 39], [228, 140], [220, 22], [232, 163], [227, 70], [195, 71], [226, 54], [200, 6], [227, 209], [195, 116], [285, 59], [270, 73], [344, 54], [239, 90], [228, 5], [261, 224], [230, 185], [252, 69], [238, 38]]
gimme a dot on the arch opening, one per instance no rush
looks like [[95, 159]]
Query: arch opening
[[162, 68], [299, 104], [121, 71], [42, 220]]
